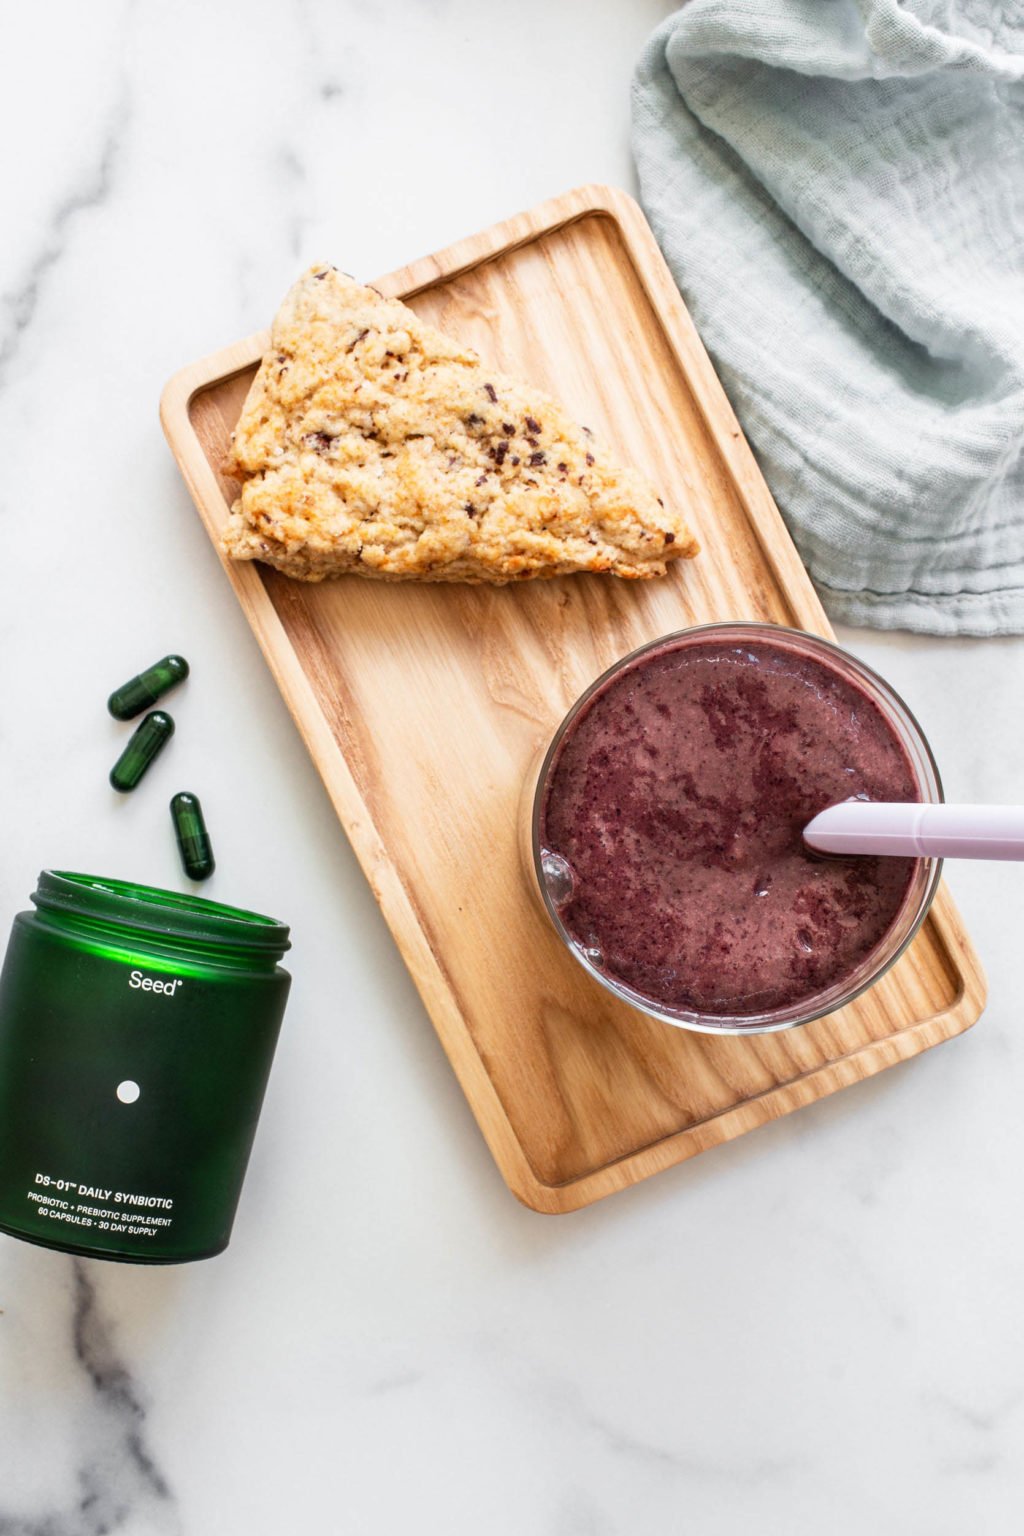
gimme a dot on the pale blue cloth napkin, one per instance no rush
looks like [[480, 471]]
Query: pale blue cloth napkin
[[838, 187]]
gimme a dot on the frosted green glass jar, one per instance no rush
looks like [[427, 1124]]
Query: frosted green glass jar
[[137, 1030]]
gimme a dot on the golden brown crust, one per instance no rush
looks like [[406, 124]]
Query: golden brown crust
[[370, 443]]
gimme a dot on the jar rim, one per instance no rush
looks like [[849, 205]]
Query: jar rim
[[174, 914]]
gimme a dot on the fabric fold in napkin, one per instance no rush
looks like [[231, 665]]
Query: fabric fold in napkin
[[838, 187]]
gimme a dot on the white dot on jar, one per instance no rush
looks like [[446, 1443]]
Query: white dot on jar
[[128, 1091]]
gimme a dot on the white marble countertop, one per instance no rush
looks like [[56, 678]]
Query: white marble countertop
[[815, 1328]]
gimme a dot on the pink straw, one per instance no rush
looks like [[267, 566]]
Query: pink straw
[[919, 831]]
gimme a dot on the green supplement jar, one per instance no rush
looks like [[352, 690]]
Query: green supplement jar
[[137, 1030]]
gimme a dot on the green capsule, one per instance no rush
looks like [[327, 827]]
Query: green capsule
[[140, 692], [148, 739], [193, 839]]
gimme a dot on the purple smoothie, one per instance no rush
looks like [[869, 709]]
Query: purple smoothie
[[679, 795]]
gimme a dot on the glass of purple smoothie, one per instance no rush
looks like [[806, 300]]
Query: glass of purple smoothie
[[665, 828]]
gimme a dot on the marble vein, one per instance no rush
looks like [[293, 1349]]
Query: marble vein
[[92, 191], [400, 1381], [118, 1477], [752, 1472], [564, 1400]]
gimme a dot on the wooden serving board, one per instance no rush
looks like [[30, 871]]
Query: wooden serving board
[[423, 706]]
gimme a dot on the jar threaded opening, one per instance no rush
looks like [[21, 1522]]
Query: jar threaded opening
[[150, 909]]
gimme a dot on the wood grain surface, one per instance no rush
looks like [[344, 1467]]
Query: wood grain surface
[[423, 707]]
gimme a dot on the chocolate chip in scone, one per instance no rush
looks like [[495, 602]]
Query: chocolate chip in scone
[[515, 459], [590, 458], [532, 425], [481, 478], [499, 453], [508, 429], [492, 393], [318, 441], [469, 507], [563, 469], [670, 538], [538, 458], [356, 340], [473, 420]]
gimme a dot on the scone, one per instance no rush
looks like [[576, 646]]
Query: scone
[[371, 444]]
